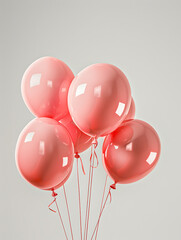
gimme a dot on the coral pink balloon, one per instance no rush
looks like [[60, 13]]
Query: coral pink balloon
[[81, 140], [99, 99], [131, 152], [131, 113], [45, 87], [45, 153]]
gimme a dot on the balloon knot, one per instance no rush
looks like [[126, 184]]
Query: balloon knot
[[95, 142], [113, 186], [77, 155], [54, 194]]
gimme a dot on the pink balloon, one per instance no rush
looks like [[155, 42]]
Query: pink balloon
[[131, 113], [45, 153], [131, 152], [45, 87], [81, 140], [99, 98]]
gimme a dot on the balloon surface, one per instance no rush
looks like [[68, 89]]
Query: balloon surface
[[45, 153], [131, 112], [80, 140], [99, 98], [131, 152], [45, 87]]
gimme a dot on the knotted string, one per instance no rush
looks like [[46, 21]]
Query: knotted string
[[68, 212], [103, 207], [55, 201], [77, 156], [89, 191]]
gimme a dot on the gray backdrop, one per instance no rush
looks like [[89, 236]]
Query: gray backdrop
[[142, 38]]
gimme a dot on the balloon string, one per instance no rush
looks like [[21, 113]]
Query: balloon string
[[88, 211], [101, 204], [50, 205], [78, 185], [79, 157], [92, 159], [55, 201], [88, 193], [97, 161], [103, 207], [65, 195], [83, 170]]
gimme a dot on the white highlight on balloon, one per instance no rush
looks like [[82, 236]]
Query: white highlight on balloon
[[42, 148], [49, 83], [64, 89], [120, 109], [129, 146], [65, 161], [35, 80], [80, 89], [97, 91], [29, 137], [151, 158]]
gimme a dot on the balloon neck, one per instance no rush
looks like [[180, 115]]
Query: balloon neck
[[54, 194], [113, 186], [95, 142], [77, 155]]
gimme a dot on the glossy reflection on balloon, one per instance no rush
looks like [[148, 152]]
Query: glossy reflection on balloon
[[45, 87], [80, 140], [45, 153], [131, 152], [99, 99]]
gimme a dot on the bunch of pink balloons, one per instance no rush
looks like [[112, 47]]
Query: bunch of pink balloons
[[74, 111]]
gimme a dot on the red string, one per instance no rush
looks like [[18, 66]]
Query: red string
[[88, 190], [92, 160], [101, 204], [103, 207], [68, 211], [54, 195], [79, 157], [51, 204], [89, 203], [78, 184], [97, 161]]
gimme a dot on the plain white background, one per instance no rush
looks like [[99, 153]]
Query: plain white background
[[143, 39]]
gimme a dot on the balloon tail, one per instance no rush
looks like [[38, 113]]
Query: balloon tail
[[68, 212], [113, 186], [50, 207], [101, 204], [61, 220], [89, 192], [103, 207]]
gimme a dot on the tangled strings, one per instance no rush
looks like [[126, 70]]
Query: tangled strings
[[92, 165]]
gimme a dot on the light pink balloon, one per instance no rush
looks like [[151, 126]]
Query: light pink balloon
[[81, 140], [131, 151], [45, 87], [99, 98], [45, 153], [131, 113]]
